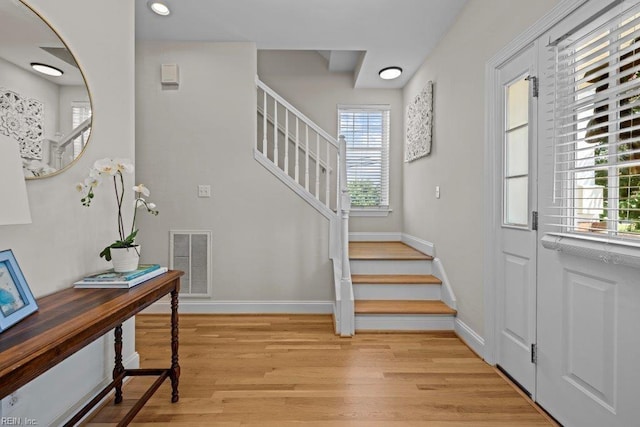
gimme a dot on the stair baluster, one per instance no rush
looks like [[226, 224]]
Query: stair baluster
[[286, 141], [318, 166], [275, 132], [336, 204], [264, 125]]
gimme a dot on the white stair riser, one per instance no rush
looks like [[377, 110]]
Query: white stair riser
[[390, 267], [396, 292], [404, 322]]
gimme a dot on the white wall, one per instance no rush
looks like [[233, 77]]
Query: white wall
[[303, 79], [63, 242], [268, 244], [454, 222]]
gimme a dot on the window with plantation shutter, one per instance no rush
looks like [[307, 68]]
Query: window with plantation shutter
[[80, 111], [366, 131], [597, 128]]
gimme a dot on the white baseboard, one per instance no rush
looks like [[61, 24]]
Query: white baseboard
[[470, 337], [132, 362], [374, 237], [244, 307], [419, 244]]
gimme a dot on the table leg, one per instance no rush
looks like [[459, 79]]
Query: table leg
[[118, 367], [175, 366]]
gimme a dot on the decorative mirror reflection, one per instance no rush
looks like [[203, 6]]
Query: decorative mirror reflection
[[45, 105]]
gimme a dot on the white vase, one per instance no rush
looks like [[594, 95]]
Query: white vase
[[125, 259]]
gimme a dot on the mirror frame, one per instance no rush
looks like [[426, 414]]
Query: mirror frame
[[86, 85]]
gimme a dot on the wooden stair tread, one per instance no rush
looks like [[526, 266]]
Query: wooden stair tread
[[402, 307], [395, 279], [384, 251]]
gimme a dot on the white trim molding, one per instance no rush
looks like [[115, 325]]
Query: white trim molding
[[293, 185], [403, 322], [244, 307], [448, 297], [419, 244], [375, 237], [604, 250], [370, 212], [470, 337]]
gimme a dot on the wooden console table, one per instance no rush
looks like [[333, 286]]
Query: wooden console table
[[70, 319]]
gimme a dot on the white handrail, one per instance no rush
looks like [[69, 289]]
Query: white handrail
[[337, 195], [292, 138], [297, 113], [67, 139]]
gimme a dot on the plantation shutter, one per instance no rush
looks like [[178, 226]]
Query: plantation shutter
[[366, 131], [597, 127], [80, 111]]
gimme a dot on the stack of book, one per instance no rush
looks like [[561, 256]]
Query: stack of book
[[129, 279]]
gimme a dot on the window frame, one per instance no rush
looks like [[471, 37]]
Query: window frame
[[382, 209]]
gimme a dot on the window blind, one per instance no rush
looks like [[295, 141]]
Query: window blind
[[597, 128], [366, 131]]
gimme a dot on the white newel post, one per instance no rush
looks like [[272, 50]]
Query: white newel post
[[336, 205], [346, 291]]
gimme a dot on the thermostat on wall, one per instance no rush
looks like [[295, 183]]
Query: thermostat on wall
[[169, 74]]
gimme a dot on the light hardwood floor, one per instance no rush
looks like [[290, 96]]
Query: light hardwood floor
[[292, 370]]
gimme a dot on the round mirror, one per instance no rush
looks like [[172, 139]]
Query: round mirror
[[45, 105]]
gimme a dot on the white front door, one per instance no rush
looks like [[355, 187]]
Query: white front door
[[588, 286], [516, 287]]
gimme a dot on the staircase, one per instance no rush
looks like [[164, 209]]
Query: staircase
[[395, 289], [312, 164]]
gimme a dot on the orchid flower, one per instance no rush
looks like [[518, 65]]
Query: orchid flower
[[140, 188], [115, 168]]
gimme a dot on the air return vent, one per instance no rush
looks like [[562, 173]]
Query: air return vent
[[190, 251]]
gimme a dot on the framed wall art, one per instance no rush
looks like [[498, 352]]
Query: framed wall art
[[22, 119], [16, 299], [420, 124]]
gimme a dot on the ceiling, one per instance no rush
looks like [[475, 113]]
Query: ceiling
[[25, 38], [362, 36]]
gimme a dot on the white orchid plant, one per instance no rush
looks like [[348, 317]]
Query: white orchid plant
[[115, 168]]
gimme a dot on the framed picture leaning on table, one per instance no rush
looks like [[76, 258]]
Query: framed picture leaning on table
[[16, 299]]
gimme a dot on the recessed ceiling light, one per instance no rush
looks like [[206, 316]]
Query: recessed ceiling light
[[390, 73], [46, 69], [158, 7]]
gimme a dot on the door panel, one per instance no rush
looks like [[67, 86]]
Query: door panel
[[589, 323], [516, 295], [516, 274], [588, 341]]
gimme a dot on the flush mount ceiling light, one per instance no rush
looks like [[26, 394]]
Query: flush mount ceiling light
[[158, 7], [46, 69], [390, 73]]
